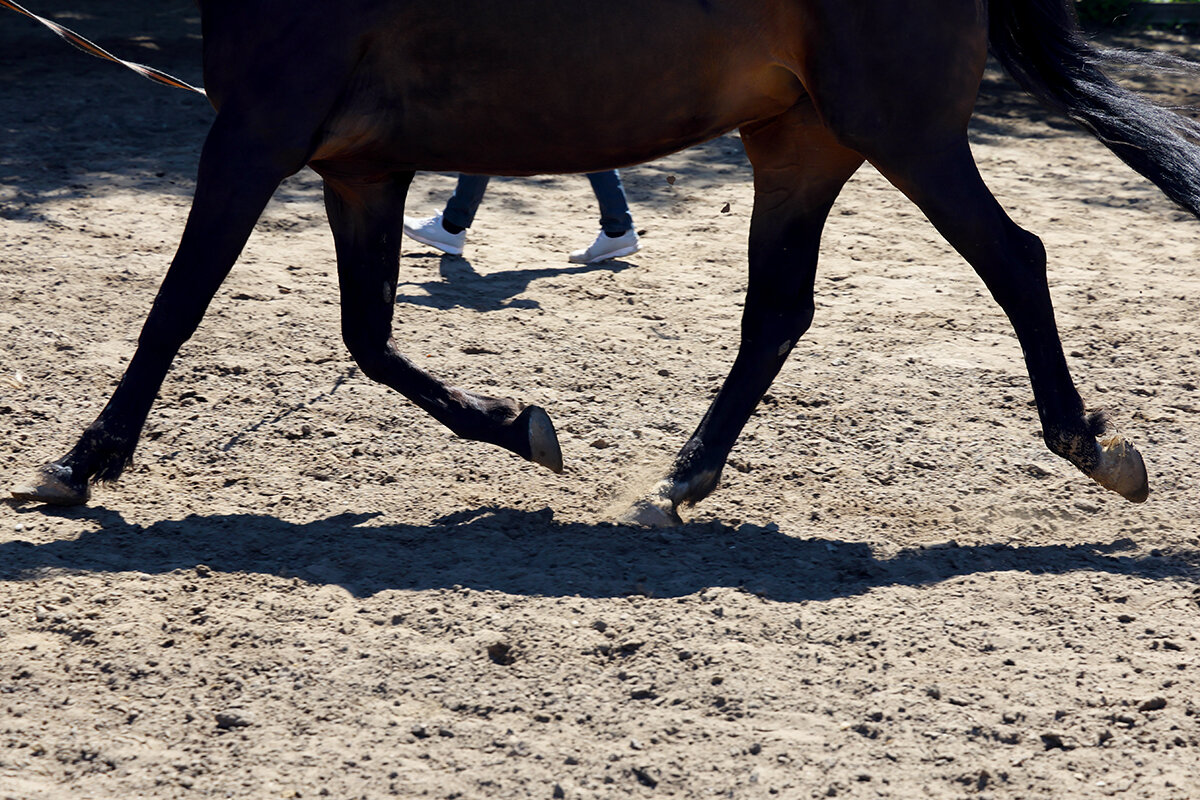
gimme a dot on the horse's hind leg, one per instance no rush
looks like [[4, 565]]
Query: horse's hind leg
[[799, 169], [903, 98], [236, 178], [946, 185], [366, 219]]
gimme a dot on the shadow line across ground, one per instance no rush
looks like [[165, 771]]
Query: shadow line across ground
[[529, 553]]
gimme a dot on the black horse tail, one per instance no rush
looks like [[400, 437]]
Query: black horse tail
[[1040, 44]]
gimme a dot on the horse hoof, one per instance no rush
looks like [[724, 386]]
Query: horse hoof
[[543, 441], [652, 513], [50, 487], [1121, 469]]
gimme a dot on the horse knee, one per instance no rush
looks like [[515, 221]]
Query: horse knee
[[1021, 275], [775, 326], [803, 320], [371, 355], [797, 326]]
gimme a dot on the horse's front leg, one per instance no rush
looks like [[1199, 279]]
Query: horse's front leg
[[798, 172], [366, 219], [237, 177]]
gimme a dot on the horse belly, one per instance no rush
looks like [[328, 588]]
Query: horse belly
[[504, 95]]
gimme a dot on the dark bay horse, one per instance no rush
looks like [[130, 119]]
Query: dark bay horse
[[369, 91]]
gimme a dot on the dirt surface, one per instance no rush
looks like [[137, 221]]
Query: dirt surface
[[306, 588]]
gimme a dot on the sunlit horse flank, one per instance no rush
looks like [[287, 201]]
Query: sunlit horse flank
[[369, 91]]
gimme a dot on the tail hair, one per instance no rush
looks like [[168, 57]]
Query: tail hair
[[1040, 44]]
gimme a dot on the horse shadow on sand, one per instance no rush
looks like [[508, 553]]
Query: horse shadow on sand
[[460, 285], [529, 553]]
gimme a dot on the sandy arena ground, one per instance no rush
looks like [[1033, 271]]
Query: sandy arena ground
[[306, 588]]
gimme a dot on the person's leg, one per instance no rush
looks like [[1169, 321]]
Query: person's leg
[[447, 230], [615, 218], [617, 237], [462, 205]]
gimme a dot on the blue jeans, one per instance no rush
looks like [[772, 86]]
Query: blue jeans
[[615, 218]]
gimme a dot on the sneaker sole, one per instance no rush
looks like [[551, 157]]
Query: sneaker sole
[[624, 251], [448, 249]]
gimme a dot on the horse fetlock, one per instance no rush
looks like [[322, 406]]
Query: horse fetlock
[[1077, 447], [101, 454], [695, 488], [1120, 468]]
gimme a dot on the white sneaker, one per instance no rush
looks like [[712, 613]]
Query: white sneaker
[[606, 247], [429, 230]]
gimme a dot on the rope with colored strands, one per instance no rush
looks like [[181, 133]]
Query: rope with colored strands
[[94, 49]]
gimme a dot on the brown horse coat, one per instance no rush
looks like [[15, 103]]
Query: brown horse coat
[[369, 92]]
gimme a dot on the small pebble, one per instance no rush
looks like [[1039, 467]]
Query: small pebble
[[1052, 741], [501, 653], [1153, 704], [947, 545], [228, 720]]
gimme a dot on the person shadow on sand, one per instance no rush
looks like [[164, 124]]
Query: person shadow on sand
[[461, 286]]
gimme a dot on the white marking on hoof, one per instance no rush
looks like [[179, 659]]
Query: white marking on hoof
[[658, 509], [1121, 469], [655, 511], [651, 514], [543, 441], [49, 488]]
